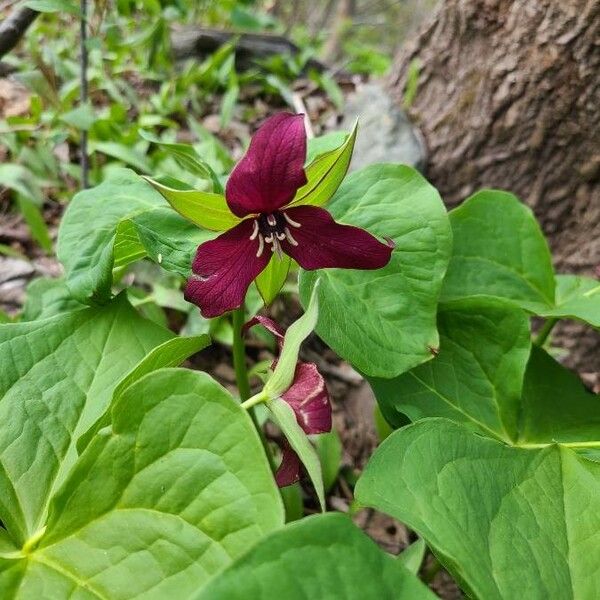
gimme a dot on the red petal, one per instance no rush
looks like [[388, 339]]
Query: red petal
[[309, 399], [323, 243], [224, 268], [289, 469], [267, 323], [272, 169]]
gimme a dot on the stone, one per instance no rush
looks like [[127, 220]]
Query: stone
[[385, 133]]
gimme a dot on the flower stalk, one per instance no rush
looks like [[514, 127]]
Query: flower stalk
[[242, 380], [239, 354], [256, 399]]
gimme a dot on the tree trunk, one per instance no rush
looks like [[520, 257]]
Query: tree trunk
[[508, 96]]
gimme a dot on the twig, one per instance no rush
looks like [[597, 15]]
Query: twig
[[14, 26], [84, 93], [299, 107]]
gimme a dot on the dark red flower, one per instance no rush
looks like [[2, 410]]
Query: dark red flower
[[308, 398], [261, 190]]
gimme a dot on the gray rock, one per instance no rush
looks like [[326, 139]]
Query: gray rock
[[385, 132]]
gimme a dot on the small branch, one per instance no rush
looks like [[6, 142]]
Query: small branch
[[84, 93], [300, 108], [193, 41], [14, 27]]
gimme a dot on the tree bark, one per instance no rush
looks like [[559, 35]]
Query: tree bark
[[508, 96]]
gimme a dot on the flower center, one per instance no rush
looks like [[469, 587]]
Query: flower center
[[273, 228]]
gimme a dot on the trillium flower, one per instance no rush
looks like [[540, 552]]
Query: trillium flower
[[307, 396], [261, 191]]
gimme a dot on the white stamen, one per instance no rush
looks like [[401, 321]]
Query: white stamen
[[276, 248], [281, 236], [271, 220], [290, 238], [261, 246], [290, 220], [269, 238], [255, 230]]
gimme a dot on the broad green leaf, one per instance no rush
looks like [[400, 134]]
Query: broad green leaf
[[169, 354], [325, 174], [576, 298], [412, 557], [383, 321], [297, 332], [273, 276], [506, 522], [47, 298], [204, 209], [120, 221], [477, 377], [556, 407], [324, 557], [177, 488], [499, 251], [329, 449], [57, 378], [88, 228], [166, 238], [285, 418]]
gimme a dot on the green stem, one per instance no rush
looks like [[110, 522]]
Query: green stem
[[256, 399], [544, 332], [241, 377], [239, 355]]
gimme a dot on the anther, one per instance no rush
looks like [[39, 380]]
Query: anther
[[290, 220], [290, 238], [271, 220], [255, 230]]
